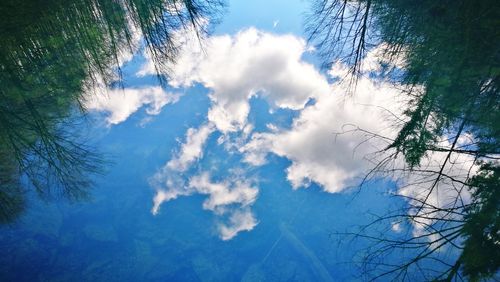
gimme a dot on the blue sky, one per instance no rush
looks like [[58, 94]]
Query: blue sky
[[276, 16], [232, 170]]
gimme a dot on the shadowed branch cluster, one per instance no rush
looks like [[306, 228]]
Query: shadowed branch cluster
[[52, 55], [445, 58]]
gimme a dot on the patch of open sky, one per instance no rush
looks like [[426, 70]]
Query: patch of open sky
[[130, 69], [277, 17], [265, 118], [281, 16]]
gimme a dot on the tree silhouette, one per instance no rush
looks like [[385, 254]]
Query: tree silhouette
[[448, 54], [52, 54]]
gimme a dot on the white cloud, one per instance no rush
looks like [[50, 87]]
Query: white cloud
[[168, 181], [119, 104], [192, 149], [231, 198], [396, 227], [257, 63], [335, 162], [223, 194], [316, 152], [377, 57], [238, 221], [162, 196], [250, 63], [236, 68]]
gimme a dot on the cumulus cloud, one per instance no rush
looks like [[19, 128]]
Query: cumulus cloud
[[250, 63], [236, 68], [329, 143], [336, 161], [318, 153], [119, 104]]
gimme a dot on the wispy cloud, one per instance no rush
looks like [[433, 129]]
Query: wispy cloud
[[241, 220], [231, 198], [192, 149], [318, 152]]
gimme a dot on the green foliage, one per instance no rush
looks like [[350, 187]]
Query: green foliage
[[11, 194], [450, 51], [481, 255], [51, 53]]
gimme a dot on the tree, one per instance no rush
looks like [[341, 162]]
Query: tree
[[449, 54], [52, 54]]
